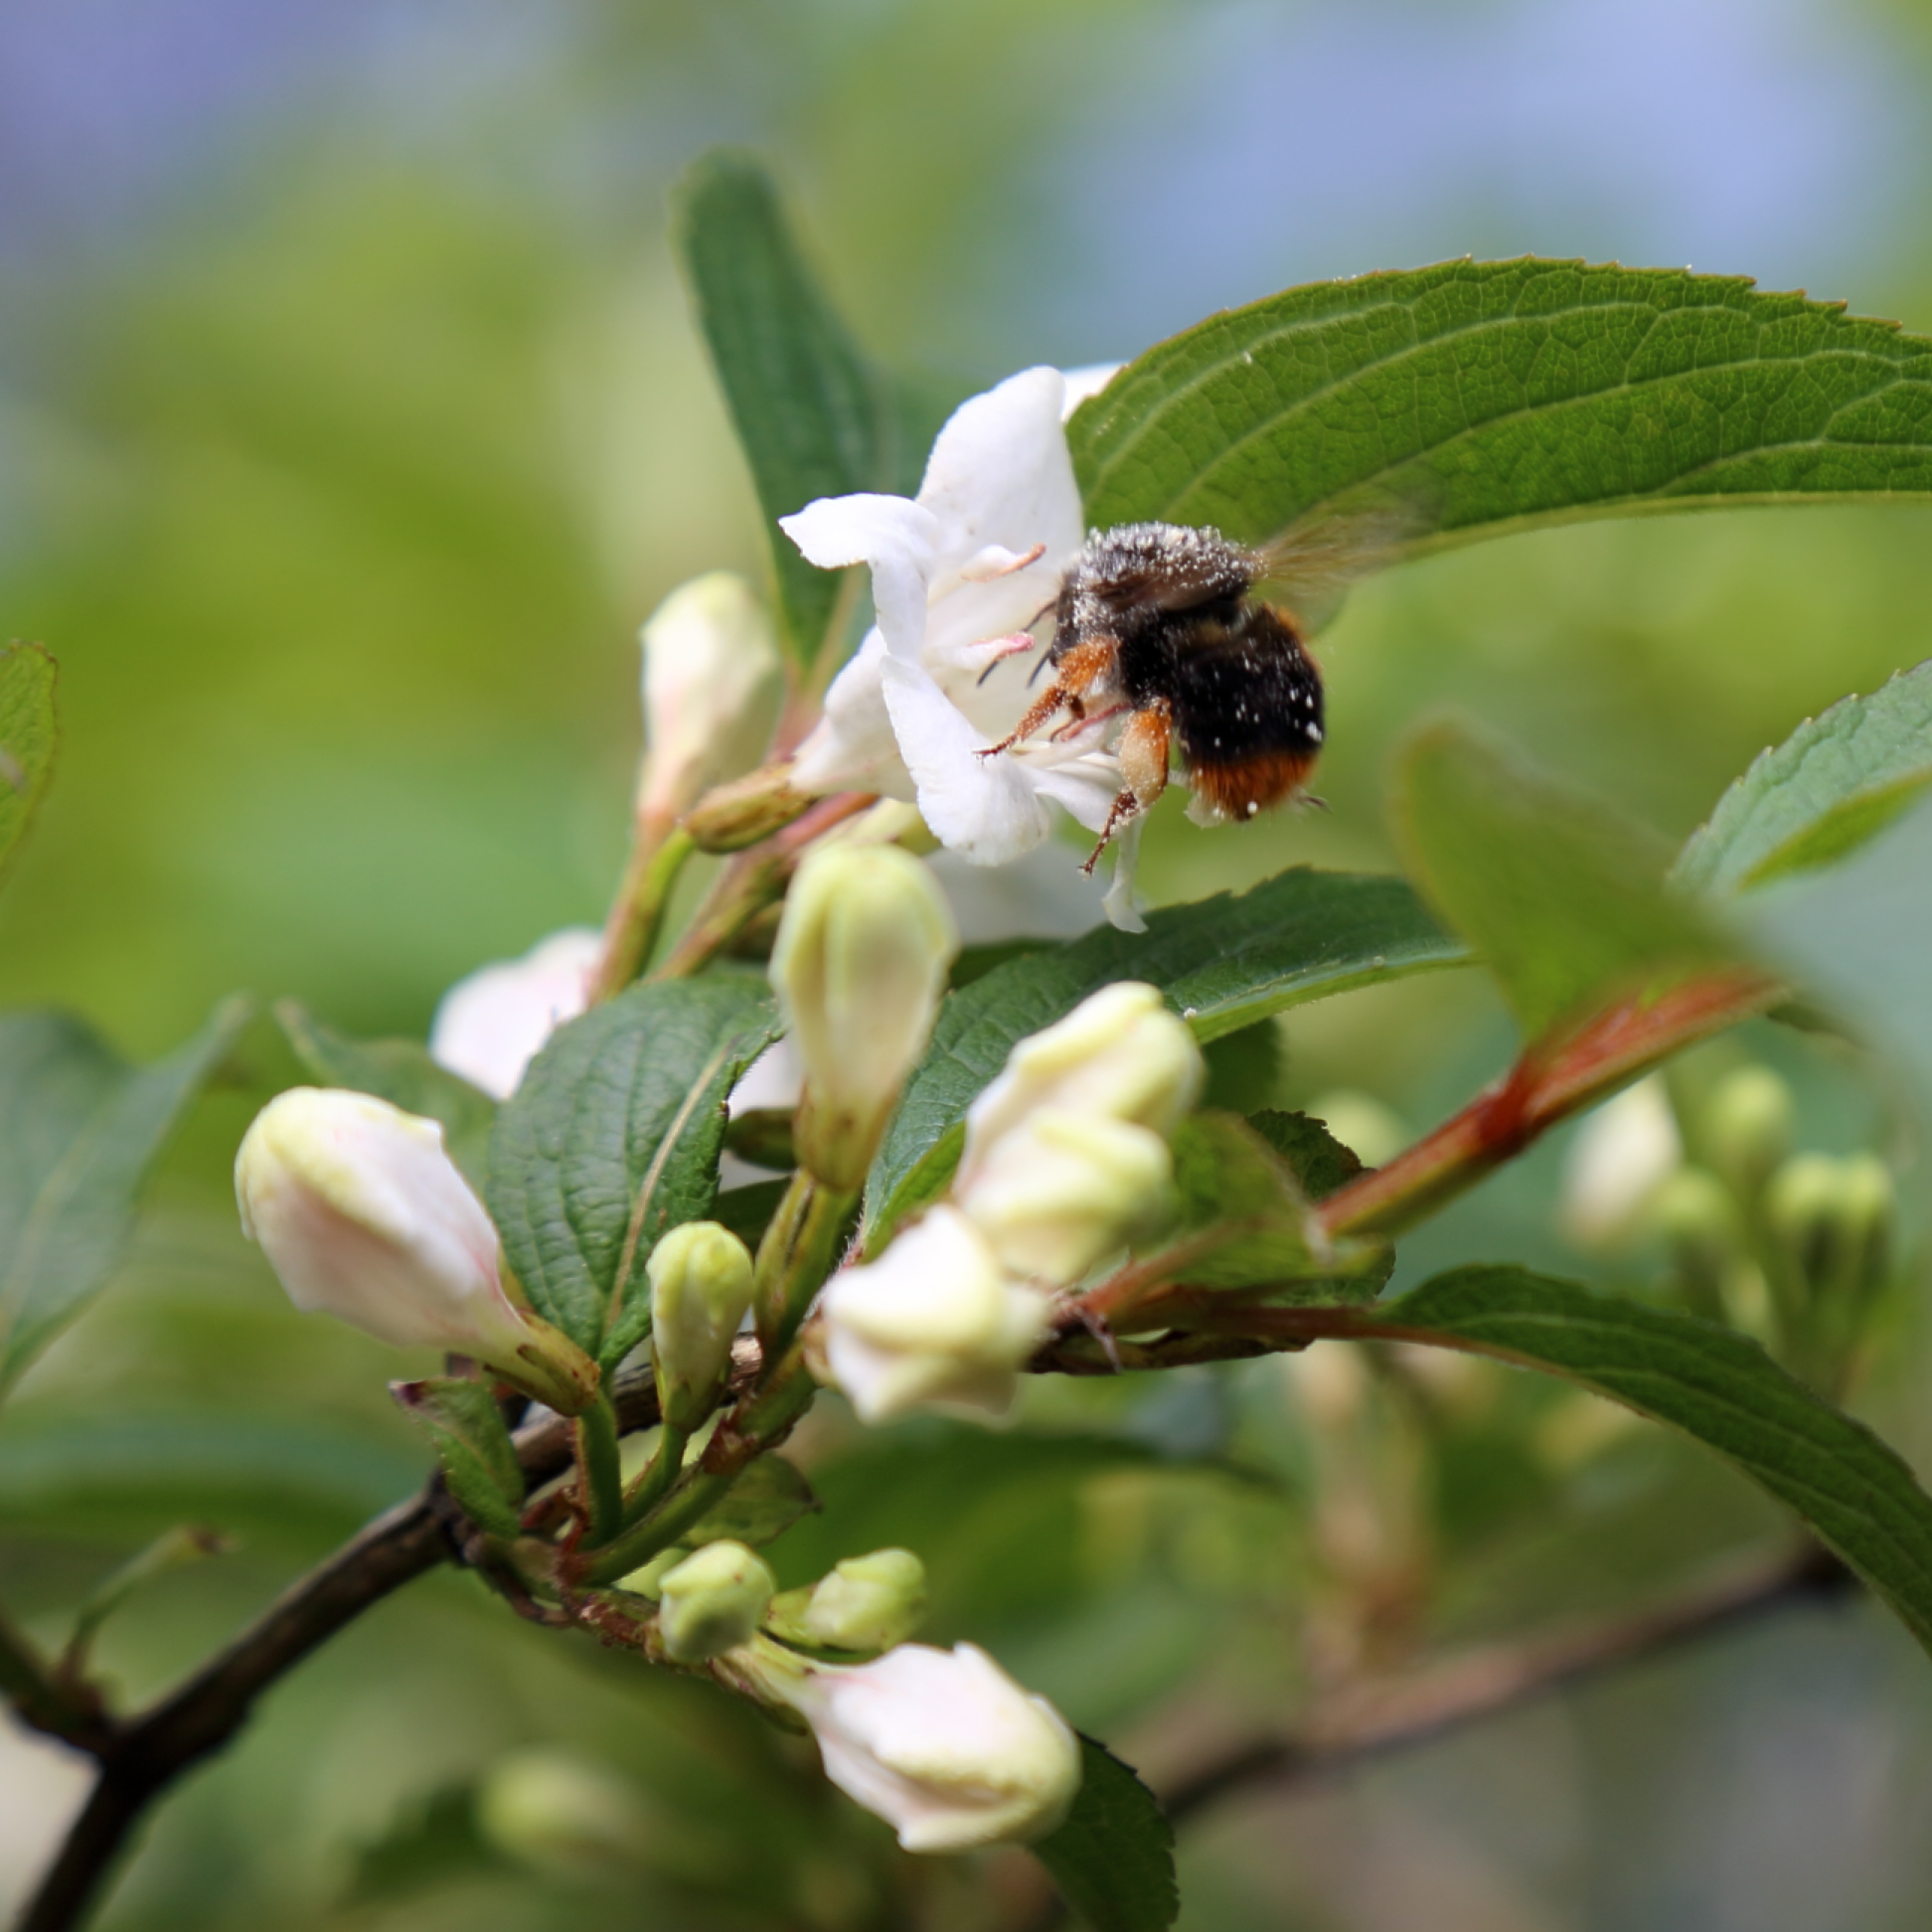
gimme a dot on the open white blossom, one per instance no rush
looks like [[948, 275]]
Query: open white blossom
[[491, 1026], [959, 575]]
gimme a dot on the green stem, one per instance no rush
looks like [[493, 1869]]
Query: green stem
[[795, 1257], [72, 1711], [645, 1494], [638, 909], [600, 1469], [1552, 1081], [760, 1422]]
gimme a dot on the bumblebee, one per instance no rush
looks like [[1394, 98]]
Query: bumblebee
[[1158, 621]]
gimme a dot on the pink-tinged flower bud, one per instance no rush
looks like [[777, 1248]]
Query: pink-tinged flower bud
[[714, 681], [941, 1744], [860, 961], [934, 1321], [1119, 1054], [1062, 1189], [362, 1214], [713, 1601], [492, 1025]]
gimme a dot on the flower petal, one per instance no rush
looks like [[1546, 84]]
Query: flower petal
[[899, 538], [987, 808], [852, 747]]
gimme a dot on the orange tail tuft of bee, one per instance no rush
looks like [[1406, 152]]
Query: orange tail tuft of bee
[[1241, 787]]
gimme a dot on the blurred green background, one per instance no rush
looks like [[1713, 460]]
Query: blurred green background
[[350, 419]]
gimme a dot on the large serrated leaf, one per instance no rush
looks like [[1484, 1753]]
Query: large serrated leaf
[[1474, 397], [1836, 781], [612, 1139], [1565, 900], [765, 1501], [1222, 963], [27, 739], [1113, 1858], [80, 1129], [1715, 1386], [813, 420], [401, 1073]]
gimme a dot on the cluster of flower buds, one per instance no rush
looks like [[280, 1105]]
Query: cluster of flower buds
[[942, 1744], [1065, 1161], [1791, 1245], [363, 1214]]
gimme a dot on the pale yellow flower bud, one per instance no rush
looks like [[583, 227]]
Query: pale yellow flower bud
[[1062, 1189], [713, 1601], [700, 1287], [362, 1214], [714, 681], [860, 961], [867, 1603], [934, 1320], [1119, 1054]]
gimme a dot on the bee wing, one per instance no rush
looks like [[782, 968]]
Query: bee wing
[[1312, 566]]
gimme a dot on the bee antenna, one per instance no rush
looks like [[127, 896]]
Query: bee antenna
[[1033, 676]]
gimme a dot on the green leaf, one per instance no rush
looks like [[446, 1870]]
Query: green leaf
[[813, 420], [612, 1139], [79, 1128], [1565, 900], [1244, 1221], [1715, 1386], [1222, 963], [1836, 781], [1317, 1160], [126, 1474], [1113, 1859], [465, 1428], [761, 1504], [401, 1073], [1477, 398], [27, 739]]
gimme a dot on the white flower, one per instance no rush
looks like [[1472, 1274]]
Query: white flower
[[713, 684], [492, 1025], [944, 1745], [934, 1320], [363, 1215], [959, 575]]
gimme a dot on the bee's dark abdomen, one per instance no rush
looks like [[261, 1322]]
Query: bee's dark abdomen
[[1244, 690]]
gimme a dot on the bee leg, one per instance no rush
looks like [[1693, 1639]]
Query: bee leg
[[1079, 670], [1143, 753], [1054, 699], [1082, 717]]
